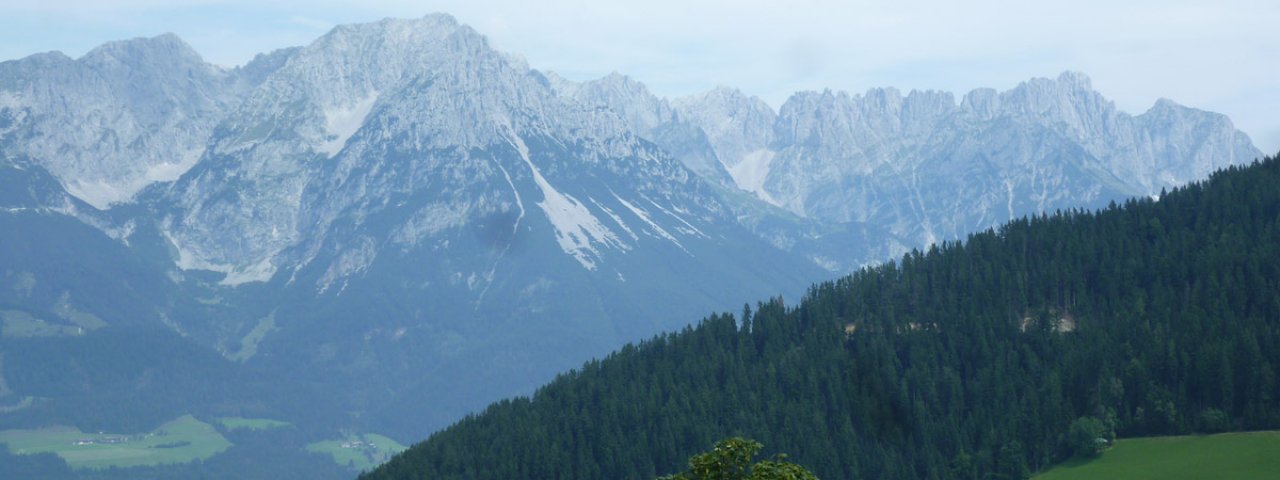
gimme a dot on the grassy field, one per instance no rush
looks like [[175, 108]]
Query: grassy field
[[16, 324], [239, 423], [179, 441], [1238, 456], [69, 313], [361, 452]]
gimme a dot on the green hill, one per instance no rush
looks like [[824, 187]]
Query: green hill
[[964, 361], [1238, 456]]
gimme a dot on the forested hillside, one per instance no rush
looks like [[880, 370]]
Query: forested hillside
[[967, 361]]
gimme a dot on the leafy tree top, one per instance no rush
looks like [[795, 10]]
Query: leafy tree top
[[731, 459]]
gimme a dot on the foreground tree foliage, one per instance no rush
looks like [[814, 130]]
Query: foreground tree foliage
[[1088, 437], [731, 460], [964, 361]]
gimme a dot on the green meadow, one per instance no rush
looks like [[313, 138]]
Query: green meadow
[[178, 441], [1238, 456], [15, 324], [359, 452], [240, 423]]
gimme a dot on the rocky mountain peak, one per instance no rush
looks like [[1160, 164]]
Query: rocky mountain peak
[[371, 112], [642, 110], [37, 60], [1070, 98], [738, 127], [727, 100], [562, 86], [304, 113], [1163, 104], [124, 115], [984, 103], [352, 61], [263, 65], [162, 50], [1076, 80]]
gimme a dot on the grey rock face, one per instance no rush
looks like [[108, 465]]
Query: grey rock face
[[739, 130], [368, 116], [650, 117], [124, 115], [241, 207], [928, 168], [399, 176], [846, 158]]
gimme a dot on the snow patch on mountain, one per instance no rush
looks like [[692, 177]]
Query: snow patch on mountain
[[98, 193], [616, 220], [653, 226], [751, 173], [577, 230], [515, 226], [687, 229], [102, 193], [258, 272], [233, 275], [341, 122], [170, 171]]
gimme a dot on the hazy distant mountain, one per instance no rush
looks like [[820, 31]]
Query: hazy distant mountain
[[423, 195], [397, 224], [125, 115], [928, 168], [413, 215]]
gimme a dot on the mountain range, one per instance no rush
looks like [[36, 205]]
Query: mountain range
[[399, 215]]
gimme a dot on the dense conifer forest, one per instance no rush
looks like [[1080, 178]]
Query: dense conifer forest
[[969, 360]]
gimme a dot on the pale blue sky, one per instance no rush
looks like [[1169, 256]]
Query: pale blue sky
[[1216, 55]]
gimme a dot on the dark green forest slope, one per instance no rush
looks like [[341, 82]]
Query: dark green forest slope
[[966, 361]]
